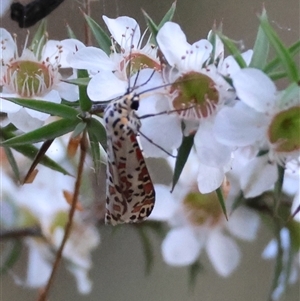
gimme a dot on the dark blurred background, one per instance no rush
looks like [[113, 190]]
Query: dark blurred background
[[119, 266]]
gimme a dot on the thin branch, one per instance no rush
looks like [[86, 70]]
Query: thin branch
[[83, 149], [20, 233]]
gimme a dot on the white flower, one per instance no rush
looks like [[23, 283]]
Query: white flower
[[43, 203], [197, 222], [30, 76], [263, 119], [110, 72], [195, 94]]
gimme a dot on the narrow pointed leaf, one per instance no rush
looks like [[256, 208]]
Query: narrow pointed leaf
[[31, 151], [49, 131], [78, 81], [278, 188], [275, 63], [48, 107], [233, 49], [84, 100], [194, 270], [11, 159], [97, 129], [95, 150], [168, 16], [80, 127], [97, 134], [294, 228], [183, 154], [100, 35], [70, 32], [147, 248], [152, 27], [12, 256], [282, 52], [260, 50], [39, 39], [222, 201]]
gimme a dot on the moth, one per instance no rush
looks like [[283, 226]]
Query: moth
[[130, 192], [28, 15]]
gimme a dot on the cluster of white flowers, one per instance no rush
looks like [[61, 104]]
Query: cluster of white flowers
[[42, 207], [242, 127], [231, 124]]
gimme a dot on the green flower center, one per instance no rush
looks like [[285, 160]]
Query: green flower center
[[202, 208], [196, 95], [284, 131], [139, 61], [28, 78]]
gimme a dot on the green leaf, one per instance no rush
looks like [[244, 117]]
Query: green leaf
[[11, 159], [194, 270], [48, 107], [282, 52], [31, 151], [222, 201], [70, 32], [277, 75], [260, 50], [97, 129], [275, 63], [49, 131], [100, 35], [80, 127], [78, 81], [183, 154], [294, 228], [152, 27], [95, 150], [278, 188], [12, 257], [147, 248], [234, 51], [39, 39], [157, 227], [213, 39], [84, 100], [238, 201], [97, 134], [168, 16]]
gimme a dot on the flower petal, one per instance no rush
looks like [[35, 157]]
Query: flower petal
[[165, 204], [255, 89], [258, 176], [209, 178], [39, 268], [244, 223], [169, 137], [8, 45], [223, 253], [210, 152], [181, 247], [69, 48], [92, 59], [239, 125], [105, 86], [124, 30], [23, 121], [172, 48]]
